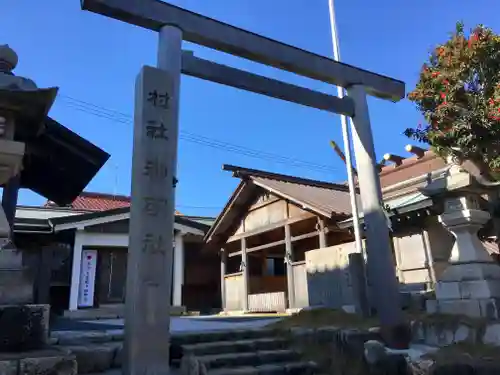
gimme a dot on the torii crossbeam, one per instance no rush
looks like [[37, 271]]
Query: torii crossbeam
[[154, 161], [204, 31]]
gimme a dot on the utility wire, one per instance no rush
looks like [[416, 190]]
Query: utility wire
[[198, 207], [123, 118]]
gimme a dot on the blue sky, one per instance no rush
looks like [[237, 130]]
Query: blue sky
[[94, 61]]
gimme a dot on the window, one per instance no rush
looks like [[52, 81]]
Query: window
[[275, 267]]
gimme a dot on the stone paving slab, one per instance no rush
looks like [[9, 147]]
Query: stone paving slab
[[292, 368], [115, 371]]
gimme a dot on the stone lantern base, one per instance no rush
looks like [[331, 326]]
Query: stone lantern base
[[470, 285]]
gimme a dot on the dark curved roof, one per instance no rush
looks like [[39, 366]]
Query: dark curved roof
[[59, 164]]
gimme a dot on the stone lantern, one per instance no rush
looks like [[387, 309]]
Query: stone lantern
[[37, 153], [23, 109], [470, 285]]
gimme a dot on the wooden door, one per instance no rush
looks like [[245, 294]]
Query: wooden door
[[118, 276], [112, 275]]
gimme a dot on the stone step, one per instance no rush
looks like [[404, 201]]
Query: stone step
[[236, 346], [291, 368], [97, 352], [85, 337], [105, 357], [226, 335], [214, 361], [96, 357], [80, 337]]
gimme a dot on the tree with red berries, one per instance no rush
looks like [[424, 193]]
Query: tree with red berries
[[459, 96]]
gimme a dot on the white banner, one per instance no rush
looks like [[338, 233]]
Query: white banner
[[87, 278]]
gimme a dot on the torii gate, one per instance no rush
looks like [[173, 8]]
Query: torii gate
[[154, 158]]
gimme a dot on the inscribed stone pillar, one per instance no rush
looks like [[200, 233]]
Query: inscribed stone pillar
[[149, 271]]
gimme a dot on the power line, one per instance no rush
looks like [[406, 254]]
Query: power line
[[123, 118], [198, 207]]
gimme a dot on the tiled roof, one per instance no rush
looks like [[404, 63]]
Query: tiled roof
[[94, 202], [99, 202], [326, 198], [410, 167], [328, 201]]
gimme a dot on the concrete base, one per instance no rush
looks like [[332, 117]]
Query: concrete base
[[488, 308], [481, 270], [473, 289]]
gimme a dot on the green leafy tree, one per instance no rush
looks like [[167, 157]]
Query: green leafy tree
[[459, 96]]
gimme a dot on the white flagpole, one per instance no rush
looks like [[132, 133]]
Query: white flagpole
[[346, 137]]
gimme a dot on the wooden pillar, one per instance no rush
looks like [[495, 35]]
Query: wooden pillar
[[178, 269], [429, 257], [244, 269], [289, 267], [263, 259], [322, 233], [44, 274], [223, 267]]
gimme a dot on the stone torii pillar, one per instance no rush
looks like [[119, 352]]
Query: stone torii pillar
[[154, 163]]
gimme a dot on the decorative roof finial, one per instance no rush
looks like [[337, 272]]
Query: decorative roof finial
[[8, 59]]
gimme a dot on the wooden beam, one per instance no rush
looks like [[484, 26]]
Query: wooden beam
[[342, 157], [240, 79], [269, 227], [396, 159], [154, 14], [334, 229], [277, 243], [265, 246], [304, 236], [418, 151]]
